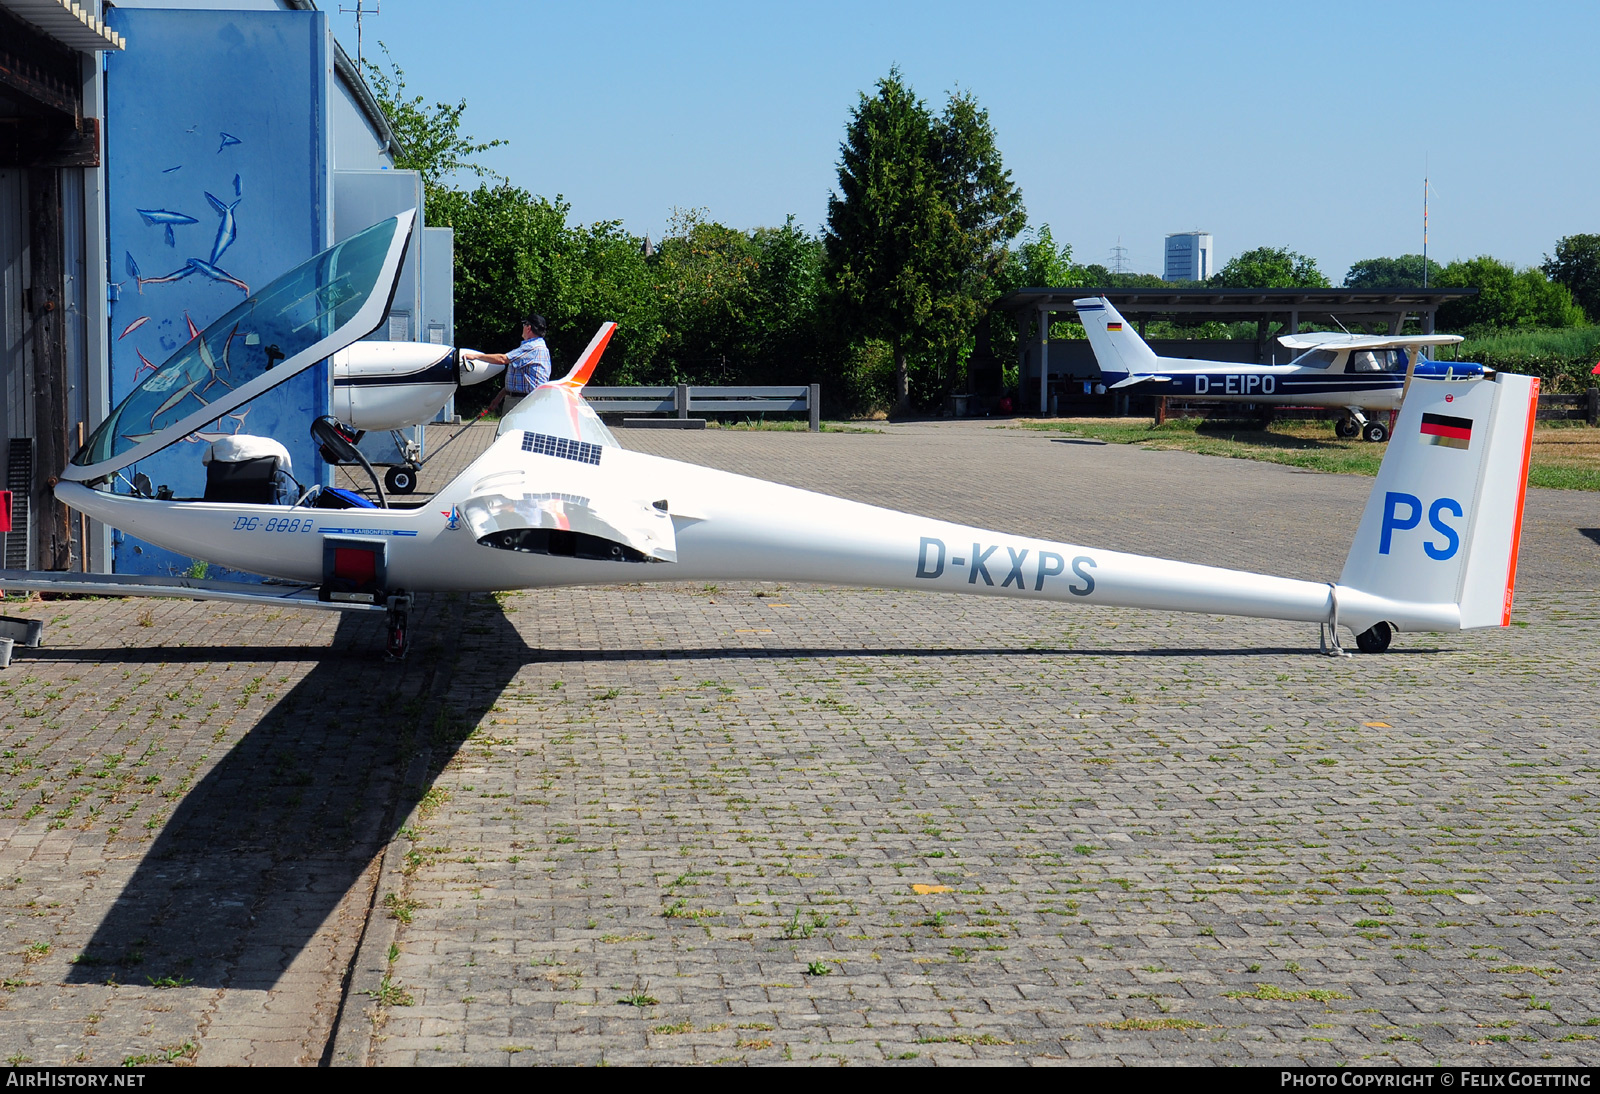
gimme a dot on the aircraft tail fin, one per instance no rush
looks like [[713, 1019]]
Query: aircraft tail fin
[[1443, 525], [1118, 348], [589, 358]]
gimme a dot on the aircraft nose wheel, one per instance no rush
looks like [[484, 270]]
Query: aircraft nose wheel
[[1375, 639], [1376, 432], [400, 480], [1346, 428]]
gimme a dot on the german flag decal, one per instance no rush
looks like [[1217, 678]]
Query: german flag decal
[[1113, 326], [1445, 430]]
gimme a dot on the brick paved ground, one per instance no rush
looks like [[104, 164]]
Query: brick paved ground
[[1138, 836]]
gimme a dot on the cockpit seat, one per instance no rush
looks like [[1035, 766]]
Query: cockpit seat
[[247, 469]]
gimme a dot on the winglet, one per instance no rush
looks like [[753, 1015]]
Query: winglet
[[590, 358]]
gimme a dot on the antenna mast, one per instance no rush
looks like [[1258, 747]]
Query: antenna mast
[[1424, 227], [359, 11]]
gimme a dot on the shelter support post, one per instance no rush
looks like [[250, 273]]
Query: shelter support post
[[1044, 362], [1427, 321], [1022, 354]]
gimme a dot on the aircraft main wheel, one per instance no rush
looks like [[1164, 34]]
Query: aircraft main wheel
[[1346, 428], [1375, 639], [1376, 432], [400, 480]]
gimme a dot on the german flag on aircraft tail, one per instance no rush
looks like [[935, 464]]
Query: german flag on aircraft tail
[[1113, 326], [1445, 430]]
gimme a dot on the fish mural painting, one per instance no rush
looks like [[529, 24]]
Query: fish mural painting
[[199, 106], [166, 218], [228, 230]]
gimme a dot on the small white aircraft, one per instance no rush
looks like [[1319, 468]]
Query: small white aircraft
[[389, 386], [555, 501], [1352, 372]]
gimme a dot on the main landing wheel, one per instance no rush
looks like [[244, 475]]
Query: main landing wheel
[[1346, 428], [398, 628], [1375, 639], [400, 480], [1376, 432]]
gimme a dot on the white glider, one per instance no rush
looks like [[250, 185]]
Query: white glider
[[555, 500]]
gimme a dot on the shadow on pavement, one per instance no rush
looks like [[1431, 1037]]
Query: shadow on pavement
[[266, 847], [719, 653]]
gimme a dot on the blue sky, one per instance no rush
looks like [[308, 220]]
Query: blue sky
[[1299, 125]]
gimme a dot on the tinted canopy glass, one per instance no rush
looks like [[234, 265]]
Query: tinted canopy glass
[[289, 316]]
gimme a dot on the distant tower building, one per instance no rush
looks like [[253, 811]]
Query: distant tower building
[[1189, 257]]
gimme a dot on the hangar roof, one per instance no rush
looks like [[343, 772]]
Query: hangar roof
[[67, 23]]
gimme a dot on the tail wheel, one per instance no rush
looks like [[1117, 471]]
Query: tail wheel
[[1375, 639], [400, 480], [396, 646], [1376, 432], [1346, 428]]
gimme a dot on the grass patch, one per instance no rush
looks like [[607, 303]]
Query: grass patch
[[1156, 1023], [968, 1039], [1566, 455], [1275, 993], [390, 994]]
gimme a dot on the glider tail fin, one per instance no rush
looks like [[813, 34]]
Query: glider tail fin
[[589, 358], [1120, 351], [1443, 525]]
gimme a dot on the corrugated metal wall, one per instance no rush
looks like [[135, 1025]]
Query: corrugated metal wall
[[15, 377]]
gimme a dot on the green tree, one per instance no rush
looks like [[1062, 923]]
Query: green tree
[[1404, 272], [1507, 297], [516, 253], [919, 228], [431, 141], [1577, 266], [1039, 262], [1036, 262], [1097, 276], [1270, 268]]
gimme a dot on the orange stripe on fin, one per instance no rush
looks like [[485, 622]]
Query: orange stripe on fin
[[590, 358], [1522, 495]]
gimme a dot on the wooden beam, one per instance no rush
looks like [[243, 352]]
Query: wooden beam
[[35, 143], [51, 525]]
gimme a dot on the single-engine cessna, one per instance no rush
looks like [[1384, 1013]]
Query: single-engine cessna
[[1352, 372], [555, 500]]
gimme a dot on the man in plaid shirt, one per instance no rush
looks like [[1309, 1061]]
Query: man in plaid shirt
[[527, 366]]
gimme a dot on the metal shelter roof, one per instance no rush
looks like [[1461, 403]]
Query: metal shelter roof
[[1232, 305]]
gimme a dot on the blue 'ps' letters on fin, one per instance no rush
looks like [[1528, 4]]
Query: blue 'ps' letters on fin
[[1392, 523], [1452, 540]]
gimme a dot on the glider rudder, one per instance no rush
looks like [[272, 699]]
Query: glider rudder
[[1443, 524]]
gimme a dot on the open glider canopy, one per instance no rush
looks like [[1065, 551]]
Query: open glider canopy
[[314, 310]]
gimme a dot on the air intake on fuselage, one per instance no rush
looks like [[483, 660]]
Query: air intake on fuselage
[[562, 544]]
